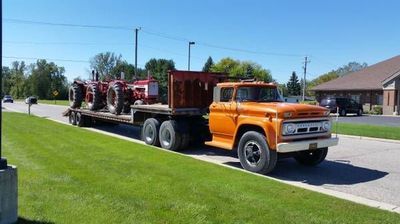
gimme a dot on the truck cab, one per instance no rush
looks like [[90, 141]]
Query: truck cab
[[251, 117]]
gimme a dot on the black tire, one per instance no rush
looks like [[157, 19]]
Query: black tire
[[360, 112], [72, 118], [254, 153], [115, 98], [75, 96], [343, 112], [150, 131], [169, 136], [184, 129], [94, 102], [80, 119], [311, 158]]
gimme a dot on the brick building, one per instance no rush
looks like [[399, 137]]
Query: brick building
[[378, 84]]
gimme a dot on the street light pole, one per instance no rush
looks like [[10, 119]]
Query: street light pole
[[190, 43]]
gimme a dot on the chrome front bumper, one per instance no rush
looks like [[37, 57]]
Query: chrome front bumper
[[306, 145]]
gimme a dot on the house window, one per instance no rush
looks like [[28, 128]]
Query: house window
[[356, 98], [379, 99]]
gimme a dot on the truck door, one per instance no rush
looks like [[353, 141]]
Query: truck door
[[223, 112]]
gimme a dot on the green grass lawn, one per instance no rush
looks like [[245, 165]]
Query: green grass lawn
[[71, 175], [375, 131], [58, 102]]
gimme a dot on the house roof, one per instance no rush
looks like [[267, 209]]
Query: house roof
[[369, 78]]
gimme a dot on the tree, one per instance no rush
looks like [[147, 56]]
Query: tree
[[46, 77], [350, 67], [158, 68], [17, 79], [236, 68], [6, 81], [283, 89], [126, 68], [104, 63], [334, 74], [207, 66], [293, 85]]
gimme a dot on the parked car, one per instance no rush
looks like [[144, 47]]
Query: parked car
[[342, 105], [8, 99], [31, 100]]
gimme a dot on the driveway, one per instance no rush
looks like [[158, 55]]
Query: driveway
[[362, 167]]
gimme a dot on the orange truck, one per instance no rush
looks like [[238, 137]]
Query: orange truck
[[246, 116]]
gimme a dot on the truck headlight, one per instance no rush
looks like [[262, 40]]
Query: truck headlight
[[289, 128], [326, 125]]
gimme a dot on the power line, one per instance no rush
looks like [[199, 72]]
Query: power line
[[48, 59], [66, 24], [154, 33]]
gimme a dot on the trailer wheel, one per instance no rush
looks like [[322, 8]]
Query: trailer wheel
[[72, 118], [80, 119], [115, 98], [169, 136], [150, 130], [93, 97], [254, 153], [75, 96], [311, 158]]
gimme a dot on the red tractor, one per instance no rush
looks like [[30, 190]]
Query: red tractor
[[117, 95], [93, 92], [121, 94]]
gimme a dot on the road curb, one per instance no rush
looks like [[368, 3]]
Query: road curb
[[370, 138]]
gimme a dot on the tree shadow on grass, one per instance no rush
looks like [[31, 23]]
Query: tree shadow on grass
[[22, 220], [334, 172]]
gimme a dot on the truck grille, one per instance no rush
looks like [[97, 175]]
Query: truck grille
[[304, 127]]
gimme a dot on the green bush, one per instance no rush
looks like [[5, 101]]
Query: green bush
[[376, 109]]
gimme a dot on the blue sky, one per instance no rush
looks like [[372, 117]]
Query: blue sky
[[331, 33]]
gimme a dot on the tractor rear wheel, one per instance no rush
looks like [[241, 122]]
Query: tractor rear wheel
[[72, 118], [75, 96], [93, 97], [115, 98]]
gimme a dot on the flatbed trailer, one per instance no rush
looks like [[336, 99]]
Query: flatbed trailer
[[189, 96]]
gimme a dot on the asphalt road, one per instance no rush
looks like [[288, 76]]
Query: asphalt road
[[361, 167], [372, 120]]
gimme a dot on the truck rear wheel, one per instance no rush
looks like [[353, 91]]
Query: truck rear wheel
[[93, 97], [169, 136], [150, 130], [311, 158], [115, 99], [254, 153], [75, 96]]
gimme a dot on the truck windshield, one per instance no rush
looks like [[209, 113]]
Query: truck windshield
[[258, 94]]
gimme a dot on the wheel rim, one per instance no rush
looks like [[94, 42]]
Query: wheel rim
[[252, 153], [149, 133], [166, 137]]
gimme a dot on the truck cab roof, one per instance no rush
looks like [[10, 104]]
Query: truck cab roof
[[239, 84]]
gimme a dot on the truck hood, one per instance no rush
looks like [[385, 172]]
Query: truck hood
[[297, 110]]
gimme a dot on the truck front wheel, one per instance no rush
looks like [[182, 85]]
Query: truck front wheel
[[254, 153], [311, 158]]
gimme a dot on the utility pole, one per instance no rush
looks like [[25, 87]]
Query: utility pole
[[306, 61], [190, 43], [136, 46], [3, 161]]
